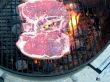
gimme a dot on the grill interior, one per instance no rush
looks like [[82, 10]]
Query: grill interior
[[13, 60]]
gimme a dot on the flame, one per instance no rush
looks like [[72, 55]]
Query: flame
[[74, 17], [73, 21]]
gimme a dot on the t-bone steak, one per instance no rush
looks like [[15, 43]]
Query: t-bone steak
[[44, 32]]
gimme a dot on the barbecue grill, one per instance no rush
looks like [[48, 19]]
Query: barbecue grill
[[12, 60]]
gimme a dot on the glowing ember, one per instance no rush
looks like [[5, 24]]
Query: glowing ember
[[37, 61]]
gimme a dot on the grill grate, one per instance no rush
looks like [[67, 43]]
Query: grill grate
[[13, 60]]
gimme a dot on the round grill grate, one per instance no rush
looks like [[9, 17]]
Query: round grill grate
[[87, 44]]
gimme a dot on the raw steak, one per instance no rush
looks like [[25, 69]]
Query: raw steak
[[47, 45], [44, 32]]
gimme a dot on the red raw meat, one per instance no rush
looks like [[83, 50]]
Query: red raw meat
[[44, 45], [33, 9], [44, 30]]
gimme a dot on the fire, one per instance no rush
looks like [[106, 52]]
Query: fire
[[73, 21], [74, 17]]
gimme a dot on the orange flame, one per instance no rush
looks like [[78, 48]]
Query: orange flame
[[73, 21], [73, 18]]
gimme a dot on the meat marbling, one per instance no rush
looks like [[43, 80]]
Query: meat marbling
[[44, 32]]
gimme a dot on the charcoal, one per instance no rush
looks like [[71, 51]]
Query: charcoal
[[16, 29], [21, 65]]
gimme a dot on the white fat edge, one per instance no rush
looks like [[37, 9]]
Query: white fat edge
[[21, 12], [30, 33], [20, 43], [35, 27], [23, 15], [62, 22], [20, 6], [51, 17], [32, 1], [58, 17]]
